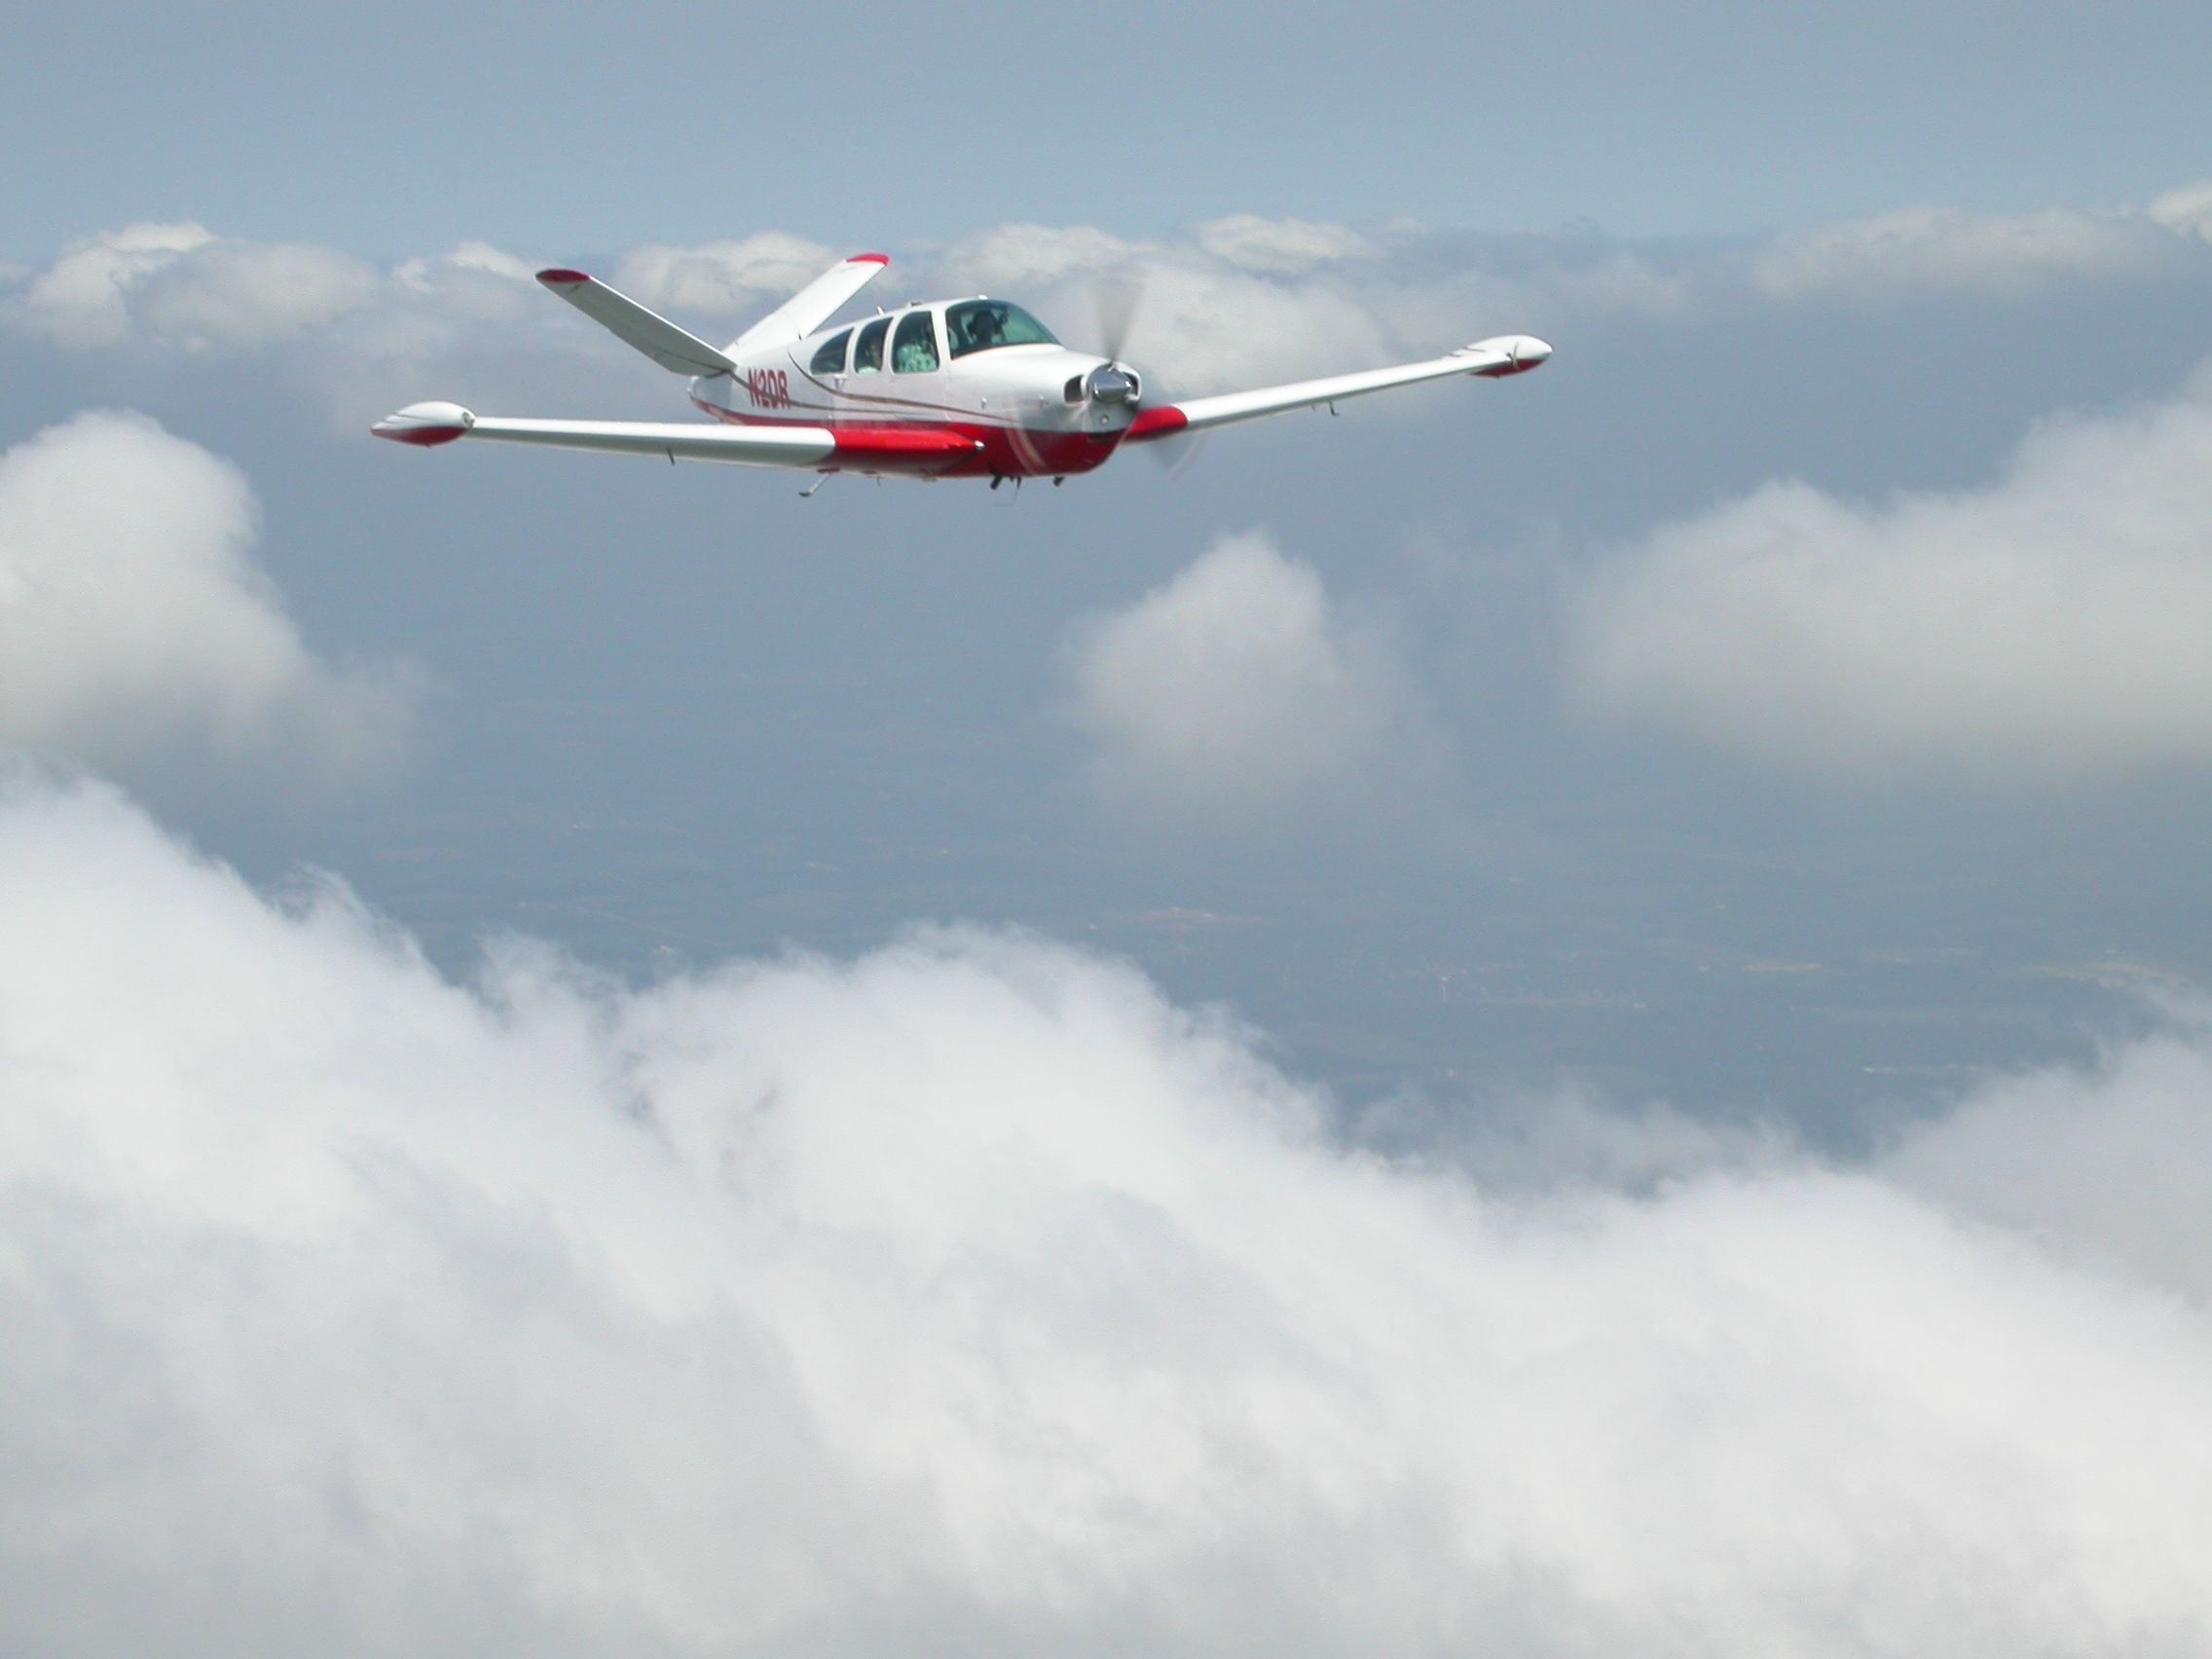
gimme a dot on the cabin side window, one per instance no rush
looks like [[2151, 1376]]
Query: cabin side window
[[830, 359], [868, 351], [913, 349]]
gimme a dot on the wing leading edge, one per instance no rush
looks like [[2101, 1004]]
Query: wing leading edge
[[1492, 359]]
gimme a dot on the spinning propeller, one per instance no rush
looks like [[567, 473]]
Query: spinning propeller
[[1116, 298]]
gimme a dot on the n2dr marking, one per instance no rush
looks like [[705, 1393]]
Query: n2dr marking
[[769, 389]]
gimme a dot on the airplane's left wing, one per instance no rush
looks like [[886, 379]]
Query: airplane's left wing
[[1507, 354], [815, 304], [813, 449]]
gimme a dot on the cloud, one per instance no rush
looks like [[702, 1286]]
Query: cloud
[[1013, 257], [358, 336], [2054, 626], [1233, 690], [722, 278], [1531, 1142], [1283, 247], [1201, 329], [436, 275], [81, 299], [2187, 211], [1246, 304], [1238, 301], [179, 285], [2113, 1164], [1943, 248], [243, 294], [968, 1297], [135, 630]]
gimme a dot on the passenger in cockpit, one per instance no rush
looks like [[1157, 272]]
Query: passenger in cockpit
[[868, 353]]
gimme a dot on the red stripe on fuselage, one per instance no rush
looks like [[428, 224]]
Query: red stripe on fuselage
[[972, 449]]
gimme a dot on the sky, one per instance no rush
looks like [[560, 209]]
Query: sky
[[401, 124], [1554, 1017]]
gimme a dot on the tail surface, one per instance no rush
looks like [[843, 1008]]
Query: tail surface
[[647, 331], [815, 304]]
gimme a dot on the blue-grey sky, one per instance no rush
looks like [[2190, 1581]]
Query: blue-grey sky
[[393, 127], [1557, 1018]]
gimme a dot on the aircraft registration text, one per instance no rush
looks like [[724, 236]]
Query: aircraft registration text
[[769, 389]]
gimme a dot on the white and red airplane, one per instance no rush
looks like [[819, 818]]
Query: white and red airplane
[[952, 388]]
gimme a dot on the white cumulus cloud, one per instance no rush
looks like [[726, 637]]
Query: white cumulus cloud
[[965, 1297], [1238, 301], [1202, 328], [361, 337], [82, 298], [1281, 246], [248, 294], [1945, 248], [1010, 258], [2055, 625], [179, 285], [432, 275], [2187, 210], [2113, 1164], [1234, 689], [722, 278], [1210, 313], [136, 629]]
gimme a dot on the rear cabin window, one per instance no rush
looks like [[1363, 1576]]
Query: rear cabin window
[[868, 353], [913, 349], [978, 326], [830, 359]]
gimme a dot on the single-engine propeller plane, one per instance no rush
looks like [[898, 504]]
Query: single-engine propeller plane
[[948, 389]]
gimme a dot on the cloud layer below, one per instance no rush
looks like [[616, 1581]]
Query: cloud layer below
[[137, 631], [2057, 624], [968, 1297]]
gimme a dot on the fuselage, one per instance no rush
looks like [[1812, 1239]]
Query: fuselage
[[977, 367]]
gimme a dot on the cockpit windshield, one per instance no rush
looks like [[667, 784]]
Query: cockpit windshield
[[978, 326]]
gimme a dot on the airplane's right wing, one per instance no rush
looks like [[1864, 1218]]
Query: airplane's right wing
[[811, 449], [1507, 354]]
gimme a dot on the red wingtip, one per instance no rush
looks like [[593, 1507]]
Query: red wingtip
[[562, 276], [870, 259], [421, 437]]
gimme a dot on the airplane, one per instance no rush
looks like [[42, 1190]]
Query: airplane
[[947, 389]]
